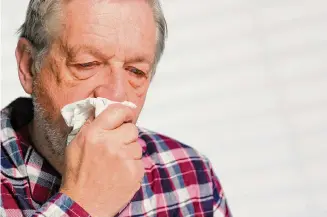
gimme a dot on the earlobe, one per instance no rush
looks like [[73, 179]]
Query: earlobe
[[24, 62]]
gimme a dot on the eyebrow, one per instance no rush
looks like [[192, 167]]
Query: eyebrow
[[138, 59], [135, 58]]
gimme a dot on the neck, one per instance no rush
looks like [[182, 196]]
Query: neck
[[43, 146]]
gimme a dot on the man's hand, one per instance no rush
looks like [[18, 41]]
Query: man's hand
[[103, 167]]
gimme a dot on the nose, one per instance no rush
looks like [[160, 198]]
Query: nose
[[113, 86]]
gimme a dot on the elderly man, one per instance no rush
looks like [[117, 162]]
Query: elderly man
[[70, 50]]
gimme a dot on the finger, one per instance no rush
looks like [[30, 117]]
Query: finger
[[131, 151], [114, 116], [136, 169], [126, 133], [89, 120], [87, 123]]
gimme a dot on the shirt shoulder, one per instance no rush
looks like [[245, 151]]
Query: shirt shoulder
[[165, 150], [181, 177]]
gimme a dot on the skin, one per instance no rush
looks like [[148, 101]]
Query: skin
[[104, 49], [96, 55]]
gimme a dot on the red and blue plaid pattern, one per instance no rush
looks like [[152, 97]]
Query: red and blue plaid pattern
[[178, 181]]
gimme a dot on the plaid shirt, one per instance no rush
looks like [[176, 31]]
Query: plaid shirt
[[178, 181]]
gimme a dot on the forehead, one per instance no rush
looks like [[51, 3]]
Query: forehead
[[119, 26]]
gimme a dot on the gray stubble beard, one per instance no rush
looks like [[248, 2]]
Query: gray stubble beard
[[55, 138]]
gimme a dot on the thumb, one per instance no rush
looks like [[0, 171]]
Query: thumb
[[90, 119]]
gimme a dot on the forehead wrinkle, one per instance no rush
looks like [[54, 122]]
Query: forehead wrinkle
[[108, 29]]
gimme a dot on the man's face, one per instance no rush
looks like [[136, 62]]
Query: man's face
[[104, 49]]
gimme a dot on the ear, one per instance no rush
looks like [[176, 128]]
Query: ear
[[24, 62]]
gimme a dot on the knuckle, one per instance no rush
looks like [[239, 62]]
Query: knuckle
[[128, 126], [133, 151], [113, 107], [111, 111], [117, 112], [89, 137], [138, 150], [133, 132], [117, 109], [130, 131]]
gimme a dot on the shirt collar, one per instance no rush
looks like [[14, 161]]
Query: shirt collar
[[26, 162]]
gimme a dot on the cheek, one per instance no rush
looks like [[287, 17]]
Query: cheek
[[48, 95], [141, 91], [139, 102], [49, 100]]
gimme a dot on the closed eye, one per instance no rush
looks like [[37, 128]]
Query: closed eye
[[88, 65], [136, 71]]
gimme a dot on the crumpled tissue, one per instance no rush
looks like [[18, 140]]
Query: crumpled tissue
[[76, 114]]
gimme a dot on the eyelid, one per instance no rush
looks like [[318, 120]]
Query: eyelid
[[139, 71], [87, 64]]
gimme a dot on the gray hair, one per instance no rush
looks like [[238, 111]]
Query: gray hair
[[38, 29]]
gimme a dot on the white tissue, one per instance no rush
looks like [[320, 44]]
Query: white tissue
[[75, 114]]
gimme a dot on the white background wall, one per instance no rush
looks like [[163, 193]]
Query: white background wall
[[245, 83]]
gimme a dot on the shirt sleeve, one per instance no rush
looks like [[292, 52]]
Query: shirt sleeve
[[59, 205], [220, 206]]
